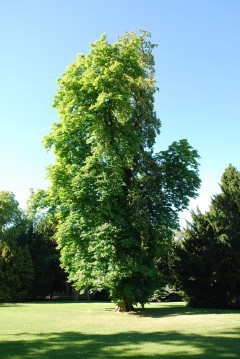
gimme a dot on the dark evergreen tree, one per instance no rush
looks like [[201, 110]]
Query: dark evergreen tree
[[198, 264], [225, 218], [49, 276], [207, 260]]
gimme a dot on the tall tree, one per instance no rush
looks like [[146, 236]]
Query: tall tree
[[117, 203]]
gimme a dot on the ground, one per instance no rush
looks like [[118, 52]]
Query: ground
[[94, 330]]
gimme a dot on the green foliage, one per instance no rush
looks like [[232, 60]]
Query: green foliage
[[225, 214], [167, 294], [198, 264], [207, 261], [16, 269], [16, 272], [49, 276], [116, 202], [9, 210], [29, 260]]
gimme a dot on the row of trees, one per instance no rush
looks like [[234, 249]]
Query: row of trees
[[202, 261], [29, 260]]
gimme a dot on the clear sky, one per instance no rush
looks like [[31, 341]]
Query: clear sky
[[197, 70]]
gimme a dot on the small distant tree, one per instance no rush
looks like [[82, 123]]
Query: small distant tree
[[207, 260], [116, 201]]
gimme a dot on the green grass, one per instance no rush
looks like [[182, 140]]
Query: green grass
[[94, 330]]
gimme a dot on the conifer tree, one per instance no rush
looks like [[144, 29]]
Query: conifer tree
[[207, 260]]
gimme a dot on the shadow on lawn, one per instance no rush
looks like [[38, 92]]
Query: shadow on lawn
[[10, 305], [121, 345], [174, 310]]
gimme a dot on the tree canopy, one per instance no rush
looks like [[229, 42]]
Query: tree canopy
[[9, 210], [117, 202]]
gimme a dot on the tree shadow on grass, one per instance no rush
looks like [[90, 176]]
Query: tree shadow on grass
[[122, 345], [178, 309], [10, 305]]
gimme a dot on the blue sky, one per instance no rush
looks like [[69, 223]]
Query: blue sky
[[197, 71]]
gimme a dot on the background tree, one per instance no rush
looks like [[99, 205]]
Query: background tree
[[207, 261], [117, 203], [29, 259], [225, 217], [16, 272], [198, 262], [10, 212], [16, 269], [49, 276], [169, 289]]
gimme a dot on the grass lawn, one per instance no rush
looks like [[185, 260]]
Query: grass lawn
[[94, 330]]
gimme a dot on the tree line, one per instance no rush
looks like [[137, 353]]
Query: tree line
[[29, 260], [200, 264], [112, 206]]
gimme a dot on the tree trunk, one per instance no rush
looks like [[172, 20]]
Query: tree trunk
[[125, 306]]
